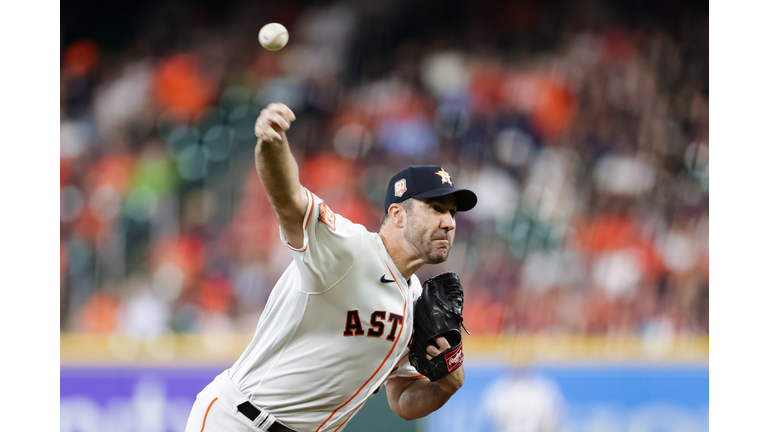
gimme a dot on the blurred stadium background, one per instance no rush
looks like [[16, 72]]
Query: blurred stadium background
[[582, 126]]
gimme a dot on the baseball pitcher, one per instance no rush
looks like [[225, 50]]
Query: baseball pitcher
[[348, 316]]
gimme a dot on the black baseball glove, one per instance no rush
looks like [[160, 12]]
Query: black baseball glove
[[438, 313]]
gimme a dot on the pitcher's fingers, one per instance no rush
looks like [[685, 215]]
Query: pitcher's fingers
[[277, 120], [260, 134], [267, 126], [283, 110], [266, 132], [258, 129], [442, 343], [432, 351], [274, 135]]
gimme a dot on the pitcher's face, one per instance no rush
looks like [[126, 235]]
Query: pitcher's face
[[430, 227]]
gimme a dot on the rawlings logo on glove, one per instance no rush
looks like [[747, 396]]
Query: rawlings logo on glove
[[437, 313], [454, 359]]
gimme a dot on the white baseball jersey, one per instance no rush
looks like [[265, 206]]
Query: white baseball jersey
[[336, 326]]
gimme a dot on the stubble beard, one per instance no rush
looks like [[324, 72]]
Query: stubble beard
[[417, 235]]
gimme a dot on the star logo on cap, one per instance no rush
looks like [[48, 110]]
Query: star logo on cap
[[444, 176]]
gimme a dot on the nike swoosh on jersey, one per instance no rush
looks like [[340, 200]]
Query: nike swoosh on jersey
[[385, 280]]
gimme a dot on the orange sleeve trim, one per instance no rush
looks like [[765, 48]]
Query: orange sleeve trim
[[206, 413], [394, 344]]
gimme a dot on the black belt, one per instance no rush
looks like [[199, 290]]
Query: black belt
[[252, 412]]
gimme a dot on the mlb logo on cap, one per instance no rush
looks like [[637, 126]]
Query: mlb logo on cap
[[426, 181]]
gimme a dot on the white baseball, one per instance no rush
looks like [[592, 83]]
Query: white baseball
[[273, 36]]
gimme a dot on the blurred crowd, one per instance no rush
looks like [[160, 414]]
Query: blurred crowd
[[583, 132]]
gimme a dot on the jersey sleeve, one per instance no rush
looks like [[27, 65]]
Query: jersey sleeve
[[404, 369], [331, 243]]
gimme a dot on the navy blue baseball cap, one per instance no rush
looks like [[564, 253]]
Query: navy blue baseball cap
[[426, 181]]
